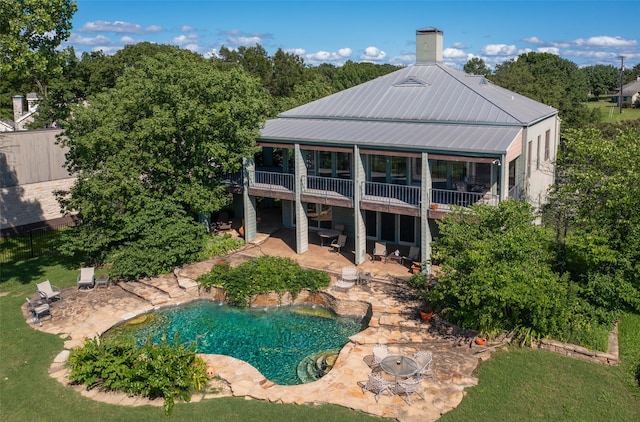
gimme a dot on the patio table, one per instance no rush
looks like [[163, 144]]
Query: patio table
[[327, 234], [399, 366]]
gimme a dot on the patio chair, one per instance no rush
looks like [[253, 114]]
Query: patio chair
[[378, 385], [348, 278], [423, 360], [410, 386], [86, 278], [380, 351], [414, 255], [224, 223], [49, 292], [39, 310], [338, 244], [380, 250]]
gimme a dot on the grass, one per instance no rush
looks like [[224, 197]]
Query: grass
[[520, 384], [610, 112]]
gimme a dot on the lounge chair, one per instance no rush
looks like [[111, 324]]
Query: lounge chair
[[49, 292], [413, 256], [348, 278], [338, 244], [423, 359], [39, 310], [410, 386], [378, 385], [380, 250], [86, 278]]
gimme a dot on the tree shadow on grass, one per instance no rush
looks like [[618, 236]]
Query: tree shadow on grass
[[29, 270]]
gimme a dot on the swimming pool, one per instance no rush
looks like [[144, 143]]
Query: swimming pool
[[283, 343]]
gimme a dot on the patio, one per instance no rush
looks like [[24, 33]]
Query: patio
[[394, 322]]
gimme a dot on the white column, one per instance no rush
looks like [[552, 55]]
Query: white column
[[302, 224], [358, 214], [425, 204]]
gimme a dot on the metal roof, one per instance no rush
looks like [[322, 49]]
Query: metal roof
[[425, 106]]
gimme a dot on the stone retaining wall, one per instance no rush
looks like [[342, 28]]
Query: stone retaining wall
[[582, 353], [350, 308]]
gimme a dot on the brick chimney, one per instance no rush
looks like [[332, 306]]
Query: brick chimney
[[429, 45], [18, 109]]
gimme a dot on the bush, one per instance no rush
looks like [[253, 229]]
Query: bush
[[153, 371], [261, 275], [219, 245]]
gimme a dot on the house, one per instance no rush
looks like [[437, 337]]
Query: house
[[386, 158], [630, 93], [21, 116]]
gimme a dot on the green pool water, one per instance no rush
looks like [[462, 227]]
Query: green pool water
[[283, 343]]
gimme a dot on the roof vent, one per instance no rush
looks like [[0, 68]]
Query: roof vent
[[412, 81]]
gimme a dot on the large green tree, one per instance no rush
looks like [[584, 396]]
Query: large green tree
[[476, 66], [595, 203], [496, 271], [30, 33], [601, 78], [550, 79], [150, 154]]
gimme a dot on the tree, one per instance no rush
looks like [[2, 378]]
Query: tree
[[30, 33], [496, 271], [598, 194], [551, 80], [477, 66], [150, 154], [601, 78]]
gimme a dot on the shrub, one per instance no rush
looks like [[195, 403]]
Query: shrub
[[261, 275], [164, 370], [219, 245]]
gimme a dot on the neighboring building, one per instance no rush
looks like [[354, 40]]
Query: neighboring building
[[630, 93], [31, 170], [379, 158], [23, 114]]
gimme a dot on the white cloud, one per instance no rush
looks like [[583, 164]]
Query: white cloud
[[403, 59], [321, 56], [297, 51], [453, 53], [459, 46], [186, 28], [127, 40], [552, 50], [92, 41], [499, 50], [373, 54], [184, 40], [533, 40], [605, 41], [118, 27]]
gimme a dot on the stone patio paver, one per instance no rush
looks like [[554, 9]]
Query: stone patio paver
[[394, 321]]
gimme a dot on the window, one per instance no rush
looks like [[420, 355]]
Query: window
[[378, 171], [547, 140], [399, 170], [538, 154], [529, 152], [407, 229]]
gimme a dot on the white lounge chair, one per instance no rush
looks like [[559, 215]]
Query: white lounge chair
[[38, 311], [380, 250], [86, 278], [49, 292]]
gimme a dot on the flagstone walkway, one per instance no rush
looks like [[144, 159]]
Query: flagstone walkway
[[394, 322]]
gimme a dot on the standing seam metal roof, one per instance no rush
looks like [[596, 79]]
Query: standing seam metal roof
[[427, 105]]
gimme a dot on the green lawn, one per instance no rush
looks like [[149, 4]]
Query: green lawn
[[514, 385], [610, 112]]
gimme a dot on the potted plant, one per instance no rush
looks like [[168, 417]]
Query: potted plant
[[434, 206], [481, 341], [426, 314]]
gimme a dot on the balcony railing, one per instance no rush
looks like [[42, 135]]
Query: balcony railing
[[391, 194], [272, 181], [328, 186], [462, 199]]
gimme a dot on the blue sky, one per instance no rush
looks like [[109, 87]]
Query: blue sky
[[585, 32]]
